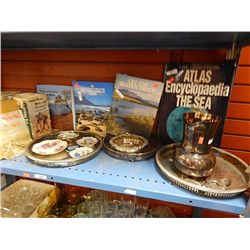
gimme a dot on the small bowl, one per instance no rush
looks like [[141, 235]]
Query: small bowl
[[128, 143], [68, 136]]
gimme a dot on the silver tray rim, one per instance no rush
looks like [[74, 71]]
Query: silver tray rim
[[197, 188], [66, 162]]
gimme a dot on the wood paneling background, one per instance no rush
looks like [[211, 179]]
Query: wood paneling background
[[23, 69]]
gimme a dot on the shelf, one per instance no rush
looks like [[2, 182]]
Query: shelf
[[137, 178], [122, 40]]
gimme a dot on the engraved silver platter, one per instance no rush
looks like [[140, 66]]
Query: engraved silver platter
[[231, 175], [144, 153], [64, 158]]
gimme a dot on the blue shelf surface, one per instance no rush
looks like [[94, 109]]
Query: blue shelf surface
[[141, 178]]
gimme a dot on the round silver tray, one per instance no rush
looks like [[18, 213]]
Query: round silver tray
[[229, 178], [62, 159], [143, 154]]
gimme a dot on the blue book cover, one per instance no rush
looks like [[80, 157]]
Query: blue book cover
[[60, 100], [92, 103]]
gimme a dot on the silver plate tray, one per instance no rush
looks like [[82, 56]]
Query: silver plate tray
[[229, 178], [62, 159], [143, 154]]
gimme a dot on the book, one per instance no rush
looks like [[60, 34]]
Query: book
[[92, 103], [5, 95], [36, 113], [14, 134], [135, 105], [193, 87], [60, 101]]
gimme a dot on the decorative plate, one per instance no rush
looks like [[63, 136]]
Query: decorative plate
[[49, 147]]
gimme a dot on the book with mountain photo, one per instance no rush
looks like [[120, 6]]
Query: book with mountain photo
[[60, 102], [191, 87], [92, 106], [135, 105]]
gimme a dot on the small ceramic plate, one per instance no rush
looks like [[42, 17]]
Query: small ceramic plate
[[80, 152], [87, 141], [64, 135], [49, 147]]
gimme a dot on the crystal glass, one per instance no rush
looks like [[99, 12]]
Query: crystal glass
[[79, 215]]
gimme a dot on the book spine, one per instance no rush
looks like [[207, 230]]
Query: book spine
[[26, 117], [73, 107]]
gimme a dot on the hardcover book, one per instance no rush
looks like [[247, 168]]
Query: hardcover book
[[36, 113], [60, 101], [193, 87], [92, 106], [135, 105]]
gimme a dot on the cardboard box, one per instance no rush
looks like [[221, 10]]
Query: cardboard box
[[13, 194]]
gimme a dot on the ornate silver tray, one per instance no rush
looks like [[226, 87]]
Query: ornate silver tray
[[229, 178], [142, 154], [63, 159]]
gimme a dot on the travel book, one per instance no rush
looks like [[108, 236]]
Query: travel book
[[60, 101], [92, 106], [135, 105], [35, 110], [193, 87]]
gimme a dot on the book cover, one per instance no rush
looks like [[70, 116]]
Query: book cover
[[14, 135], [193, 87], [60, 101], [135, 105], [36, 113], [92, 102]]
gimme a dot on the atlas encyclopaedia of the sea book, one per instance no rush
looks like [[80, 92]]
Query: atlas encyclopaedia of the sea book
[[135, 105], [191, 87], [92, 103], [60, 102]]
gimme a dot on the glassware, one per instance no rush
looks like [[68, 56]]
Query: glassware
[[9, 213], [97, 195], [79, 215], [27, 209], [161, 212], [59, 211], [195, 157], [70, 211], [140, 212], [51, 216], [109, 209]]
